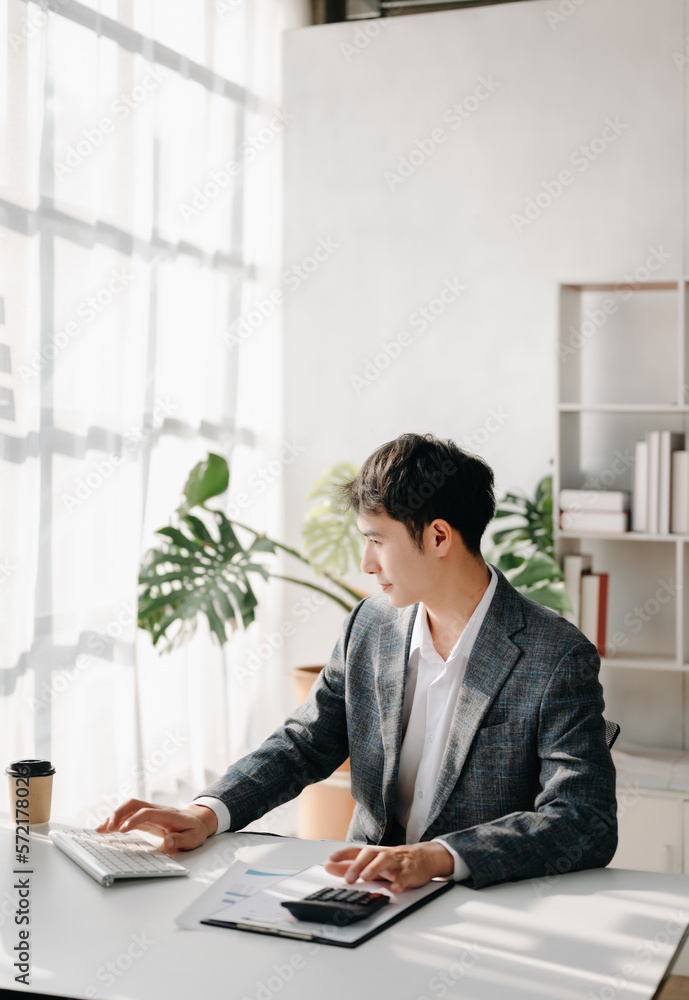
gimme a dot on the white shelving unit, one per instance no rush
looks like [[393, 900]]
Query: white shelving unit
[[622, 371], [622, 367]]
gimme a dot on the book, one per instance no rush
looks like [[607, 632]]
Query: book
[[594, 609], [573, 566], [607, 500], [669, 443], [600, 521], [640, 504], [652, 482], [679, 513]]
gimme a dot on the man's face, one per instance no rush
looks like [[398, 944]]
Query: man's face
[[406, 574]]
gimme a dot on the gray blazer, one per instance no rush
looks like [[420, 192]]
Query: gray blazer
[[526, 785]]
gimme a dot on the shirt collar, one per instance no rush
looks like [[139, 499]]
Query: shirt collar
[[422, 640]]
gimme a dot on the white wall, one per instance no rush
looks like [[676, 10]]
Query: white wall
[[359, 109]]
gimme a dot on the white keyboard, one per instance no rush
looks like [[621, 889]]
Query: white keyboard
[[108, 857]]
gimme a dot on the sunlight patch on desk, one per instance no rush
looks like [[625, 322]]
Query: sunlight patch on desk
[[658, 909], [493, 968], [488, 933], [565, 915]]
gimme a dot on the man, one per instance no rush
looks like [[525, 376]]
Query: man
[[471, 715]]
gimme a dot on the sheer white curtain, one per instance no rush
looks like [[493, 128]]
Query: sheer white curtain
[[139, 220]]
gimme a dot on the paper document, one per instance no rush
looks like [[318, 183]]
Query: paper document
[[263, 911], [237, 884]]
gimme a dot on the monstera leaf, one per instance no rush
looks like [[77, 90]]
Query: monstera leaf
[[332, 541], [201, 567], [199, 570]]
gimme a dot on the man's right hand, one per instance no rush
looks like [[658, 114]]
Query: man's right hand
[[182, 829]]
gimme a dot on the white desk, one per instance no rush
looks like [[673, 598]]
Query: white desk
[[606, 934]]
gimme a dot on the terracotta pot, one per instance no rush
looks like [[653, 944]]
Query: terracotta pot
[[304, 678], [326, 807]]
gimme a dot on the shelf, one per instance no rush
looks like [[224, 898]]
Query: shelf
[[645, 663], [627, 536], [621, 286], [623, 408]]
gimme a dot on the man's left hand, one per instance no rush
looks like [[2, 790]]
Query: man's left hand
[[406, 867]]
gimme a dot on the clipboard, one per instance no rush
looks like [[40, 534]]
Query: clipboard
[[261, 913]]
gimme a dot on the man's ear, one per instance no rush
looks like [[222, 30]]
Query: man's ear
[[440, 535]]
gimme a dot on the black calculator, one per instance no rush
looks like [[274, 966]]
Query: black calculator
[[337, 906]]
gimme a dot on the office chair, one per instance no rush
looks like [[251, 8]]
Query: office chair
[[612, 731]]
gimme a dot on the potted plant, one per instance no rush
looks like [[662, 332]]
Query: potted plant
[[201, 567], [525, 551], [332, 544]]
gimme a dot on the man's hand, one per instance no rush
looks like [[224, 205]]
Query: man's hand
[[182, 829], [407, 866]]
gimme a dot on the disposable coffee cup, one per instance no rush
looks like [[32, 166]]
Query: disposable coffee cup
[[31, 790]]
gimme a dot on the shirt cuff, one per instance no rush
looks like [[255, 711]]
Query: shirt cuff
[[218, 807], [461, 867]]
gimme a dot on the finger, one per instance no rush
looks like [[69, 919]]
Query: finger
[[384, 866], [344, 852], [364, 857], [338, 868], [155, 819], [338, 862], [121, 813], [185, 840]]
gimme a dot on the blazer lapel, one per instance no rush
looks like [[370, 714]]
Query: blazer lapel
[[491, 660], [392, 656]]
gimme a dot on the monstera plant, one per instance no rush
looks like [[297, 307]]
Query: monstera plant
[[525, 551], [332, 541], [202, 567]]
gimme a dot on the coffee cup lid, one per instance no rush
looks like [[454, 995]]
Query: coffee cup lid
[[29, 768]]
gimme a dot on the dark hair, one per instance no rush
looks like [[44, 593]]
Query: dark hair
[[418, 477]]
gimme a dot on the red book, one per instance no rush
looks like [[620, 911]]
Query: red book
[[594, 608]]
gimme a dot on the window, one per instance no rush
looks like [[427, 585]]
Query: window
[[129, 133]]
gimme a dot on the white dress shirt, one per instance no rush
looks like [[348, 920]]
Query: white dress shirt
[[431, 692], [430, 696]]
